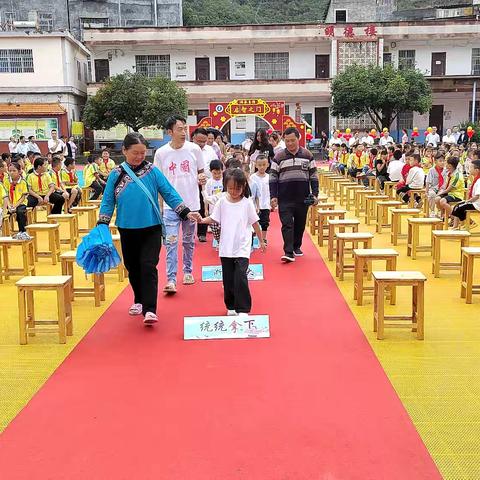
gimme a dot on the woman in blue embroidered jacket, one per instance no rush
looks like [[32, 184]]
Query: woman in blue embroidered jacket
[[138, 223]]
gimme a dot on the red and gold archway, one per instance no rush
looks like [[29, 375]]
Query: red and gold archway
[[219, 113]]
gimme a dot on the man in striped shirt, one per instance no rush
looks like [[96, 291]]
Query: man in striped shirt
[[293, 187]]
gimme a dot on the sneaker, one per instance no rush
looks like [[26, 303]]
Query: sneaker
[[202, 238], [231, 313], [420, 203], [150, 319], [243, 315], [287, 258], [265, 241], [135, 309], [298, 253], [188, 279], [170, 287]]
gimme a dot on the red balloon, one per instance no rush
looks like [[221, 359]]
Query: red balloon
[[415, 134], [470, 133]]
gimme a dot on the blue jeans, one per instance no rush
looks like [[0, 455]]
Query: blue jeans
[[172, 227]]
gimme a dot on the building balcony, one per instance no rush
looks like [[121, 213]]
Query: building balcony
[[291, 90], [453, 83]]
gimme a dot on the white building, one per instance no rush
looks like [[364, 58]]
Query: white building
[[295, 63], [43, 83]]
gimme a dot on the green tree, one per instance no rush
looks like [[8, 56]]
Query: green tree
[[382, 93], [134, 100]]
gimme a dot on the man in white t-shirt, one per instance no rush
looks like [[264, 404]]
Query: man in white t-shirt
[[335, 140], [22, 146], [368, 139], [449, 137], [32, 145], [55, 145], [385, 139], [12, 145], [433, 138], [199, 137], [395, 168], [182, 163]]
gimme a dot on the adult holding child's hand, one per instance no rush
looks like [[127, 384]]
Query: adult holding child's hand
[[133, 188]]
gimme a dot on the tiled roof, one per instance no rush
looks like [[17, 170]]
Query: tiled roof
[[31, 109]]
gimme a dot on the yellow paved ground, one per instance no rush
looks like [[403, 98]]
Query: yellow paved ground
[[438, 379], [24, 369]]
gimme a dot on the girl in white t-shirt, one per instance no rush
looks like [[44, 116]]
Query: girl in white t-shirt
[[459, 212], [236, 215]]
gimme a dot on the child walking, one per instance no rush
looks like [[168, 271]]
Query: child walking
[[261, 178], [212, 191], [236, 215]]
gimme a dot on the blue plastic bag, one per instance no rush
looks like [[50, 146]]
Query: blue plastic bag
[[97, 253]]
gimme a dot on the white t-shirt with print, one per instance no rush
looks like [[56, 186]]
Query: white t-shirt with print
[[181, 167], [236, 220], [208, 154], [212, 192], [264, 188], [476, 191]]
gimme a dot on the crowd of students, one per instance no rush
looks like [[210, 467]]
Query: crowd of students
[[448, 171]]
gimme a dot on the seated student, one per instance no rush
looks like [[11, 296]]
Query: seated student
[[3, 172], [459, 212], [92, 177], [381, 169], [56, 174], [357, 161], [41, 188], [343, 156], [17, 192], [395, 166], [436, 180], [70, 180], [369, 169], [454, 190], [333, 157], [415, 179], [29, 159], [106, 165], [7, 158]]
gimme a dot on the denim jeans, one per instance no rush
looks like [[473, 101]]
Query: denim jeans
[[172, 228]]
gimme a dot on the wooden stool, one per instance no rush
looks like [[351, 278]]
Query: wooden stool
[[86, 192], [314, 217], [97, 291], [372, 183], [437, 237], [370, 204], [350, 193], [363, 238], [469, 220], [413, 236], [384, 280], [467, 287], [28, 258], [389, 189], [330, 186], [343, 191], [360, 200], [341, 225], [91, 211], [323, 176], [96, 202], [397, 214], [363, 259], [446, 218], [26, 306], [337, 183], [6, 226], [53, 231], [382, 213], [322, 216], [72, 221], [411, 198], [121, 270], [113, 229]]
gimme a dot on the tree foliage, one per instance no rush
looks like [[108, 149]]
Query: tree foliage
[[382, 93], [134, 100], [234, 12]]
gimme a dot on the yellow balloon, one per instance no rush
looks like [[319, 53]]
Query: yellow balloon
[[347, 130], [429, 129], [309, 130], [415, 129], [469, 129], [385, 129]]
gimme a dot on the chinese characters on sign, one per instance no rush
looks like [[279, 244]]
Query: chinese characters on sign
[[203, 328], [350, 32]]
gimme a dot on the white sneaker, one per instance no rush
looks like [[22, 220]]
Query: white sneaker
[[135, 309], [231, 313], [150, 319], [188, 279], [243, 315]]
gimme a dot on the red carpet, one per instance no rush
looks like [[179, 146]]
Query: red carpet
[[312, 402]]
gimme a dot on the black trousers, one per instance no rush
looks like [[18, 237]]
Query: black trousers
[[293, 217], [140, 250], [235, 284], [264, 221], [21, 214], [56, 199], [202, 227], [97, 190], [460, 210], [381, 179], [402, 192]]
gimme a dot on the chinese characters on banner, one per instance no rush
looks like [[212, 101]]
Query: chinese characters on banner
[[204, 328], [350, 32]]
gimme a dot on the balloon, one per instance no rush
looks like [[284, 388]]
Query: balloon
[[309, 130], [415, 129], [347, 130], [470, 133], [269, 131], [385, 130], [429, 129], [309, 137], [469, 129], [347, 136]]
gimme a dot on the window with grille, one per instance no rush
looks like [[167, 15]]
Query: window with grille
[[153, 65], [387, 59], [475, 61], [363, 122], [16, 61], [85, 73], [9, 17], [405, 120], [477, 110], [93, 22], [45, 21], [79, 71], [271, 66], [356, 53], [406, 59]]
